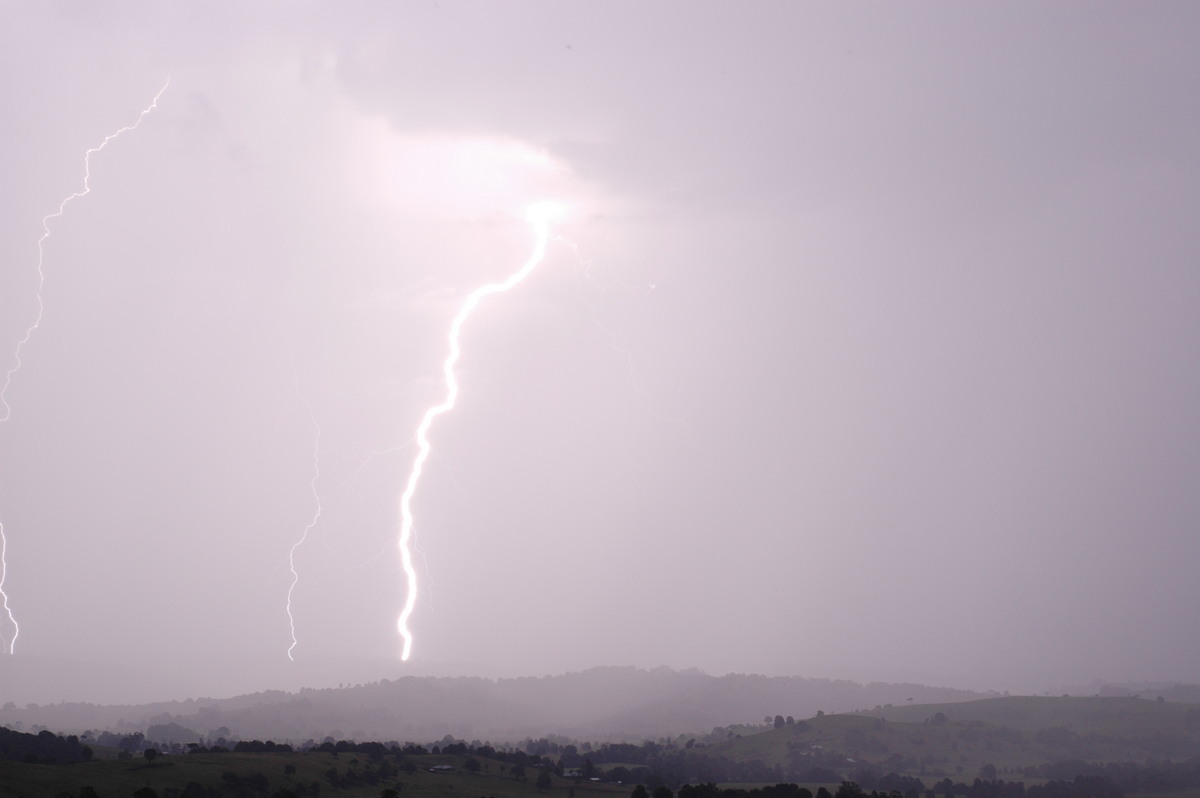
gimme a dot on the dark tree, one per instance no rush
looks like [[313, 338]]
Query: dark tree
[[151, 754], [849, 789], [132, 742], [639, 792], [618, 774], [543, 780], [472, 765]]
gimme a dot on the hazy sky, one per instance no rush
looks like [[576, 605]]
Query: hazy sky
[[867, 347]]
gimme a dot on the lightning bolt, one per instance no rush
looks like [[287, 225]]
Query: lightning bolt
[[4, 596], [5, 408], [312, 485], [539, 215]]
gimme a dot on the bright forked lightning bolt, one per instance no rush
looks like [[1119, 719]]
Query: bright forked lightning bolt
[[316, 474], [539, 215], [5, 408]]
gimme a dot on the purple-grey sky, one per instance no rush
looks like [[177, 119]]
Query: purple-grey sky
[[866, 347]]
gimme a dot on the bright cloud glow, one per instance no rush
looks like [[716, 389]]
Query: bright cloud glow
[[541, 213], [466, 177]]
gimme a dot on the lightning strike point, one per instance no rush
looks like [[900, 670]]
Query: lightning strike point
[[540, 215], [5, 408]]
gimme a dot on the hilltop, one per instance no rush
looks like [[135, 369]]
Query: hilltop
[[601, 703]]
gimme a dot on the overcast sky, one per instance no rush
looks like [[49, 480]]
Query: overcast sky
[[867, 347]]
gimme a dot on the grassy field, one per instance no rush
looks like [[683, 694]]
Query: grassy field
[[168, 776]]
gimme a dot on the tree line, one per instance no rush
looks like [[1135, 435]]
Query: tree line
[[43, 748]]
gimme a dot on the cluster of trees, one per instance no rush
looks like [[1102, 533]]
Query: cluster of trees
[[781, 721], [657, 763], [1079, 787], [848, 789], [375, 771], [980, 788], [710, 790], [259, 747], [126, 743], [1084, 785], [1150, 776], [43, 748]]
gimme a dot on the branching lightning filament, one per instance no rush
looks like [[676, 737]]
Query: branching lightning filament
[[5, 408], [4, 596], [316, 518], [539, 215]]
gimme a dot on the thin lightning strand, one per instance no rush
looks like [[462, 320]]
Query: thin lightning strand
[[539, 216], [87, 188], [311, 524], [4, 596], [5, 408]]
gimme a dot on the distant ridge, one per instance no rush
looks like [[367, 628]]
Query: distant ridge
[[612, 703]]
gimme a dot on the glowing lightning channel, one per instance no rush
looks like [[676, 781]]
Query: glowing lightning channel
[[5, 408], [311, 524], [539, 215], [4, 596]]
